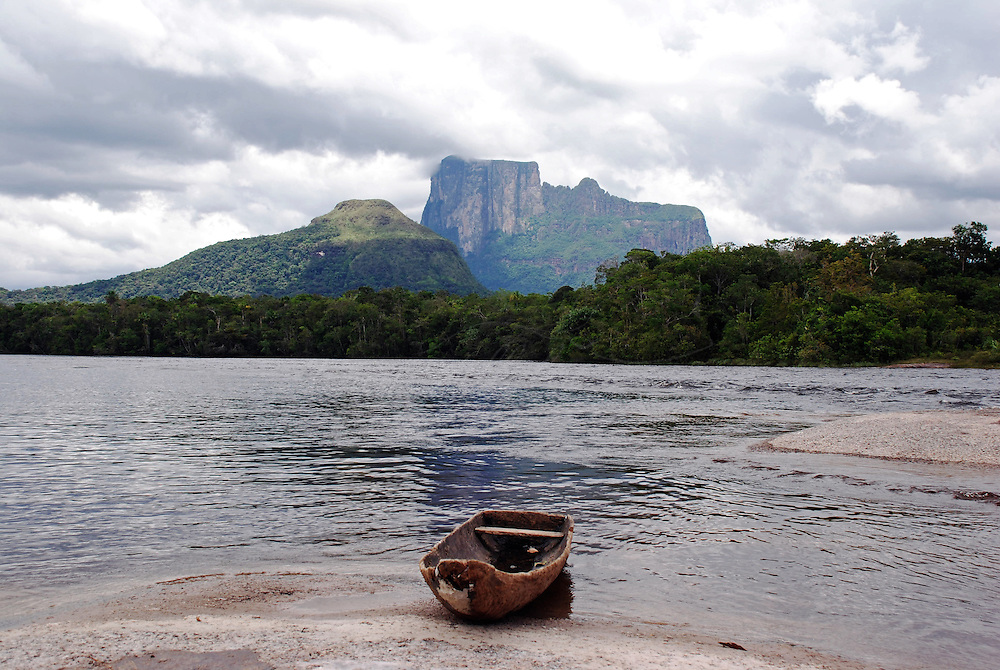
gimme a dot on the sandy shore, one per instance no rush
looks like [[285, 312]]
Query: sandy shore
[[968, 437], [334, 622]]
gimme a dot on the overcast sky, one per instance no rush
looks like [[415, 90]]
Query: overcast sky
[[134, 131]]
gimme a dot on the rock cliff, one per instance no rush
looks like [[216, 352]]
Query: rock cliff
[[469, 200], [520, 234]]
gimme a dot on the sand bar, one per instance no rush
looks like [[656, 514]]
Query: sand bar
[[970, 437], [323, 621]]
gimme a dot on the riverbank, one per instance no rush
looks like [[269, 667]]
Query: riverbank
[[969, 437], [325, 621]]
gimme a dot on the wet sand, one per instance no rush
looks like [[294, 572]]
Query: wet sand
[[332, 621], [970, 437]]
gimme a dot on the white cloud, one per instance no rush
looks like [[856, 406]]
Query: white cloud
[[886, 99], [71, 239], [903, 53], [969, 120]]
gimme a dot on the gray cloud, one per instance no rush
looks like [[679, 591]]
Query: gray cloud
[[177, 126], [111, 114]]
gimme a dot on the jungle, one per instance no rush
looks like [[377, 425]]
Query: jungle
[[873, 300]]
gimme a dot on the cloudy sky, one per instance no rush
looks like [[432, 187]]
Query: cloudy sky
[[134, 131]]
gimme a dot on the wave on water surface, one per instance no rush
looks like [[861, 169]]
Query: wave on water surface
[[139, 468]]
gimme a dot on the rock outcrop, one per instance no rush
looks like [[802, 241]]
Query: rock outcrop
[[521, 234], [472, 199]]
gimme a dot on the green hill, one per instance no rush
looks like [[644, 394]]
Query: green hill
[[359, 243]]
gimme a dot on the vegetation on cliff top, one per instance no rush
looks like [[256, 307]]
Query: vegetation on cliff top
[[872, 300]]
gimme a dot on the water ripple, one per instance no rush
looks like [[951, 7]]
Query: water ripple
[[119, 467]]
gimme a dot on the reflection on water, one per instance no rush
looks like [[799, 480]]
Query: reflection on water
[[556, 602], [134, 467]]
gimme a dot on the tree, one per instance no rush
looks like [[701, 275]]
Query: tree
[[876, 248], [969, 244]]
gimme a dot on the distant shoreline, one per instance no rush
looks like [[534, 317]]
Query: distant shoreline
[[698, 364]]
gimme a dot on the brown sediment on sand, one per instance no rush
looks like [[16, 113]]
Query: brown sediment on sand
[[930, 364], [324, 621], [969, 437]]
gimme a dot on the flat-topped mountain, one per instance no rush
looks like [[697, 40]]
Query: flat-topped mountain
[[359, 243], [521, 234]]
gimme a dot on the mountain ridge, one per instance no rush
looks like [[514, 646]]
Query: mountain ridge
[[359, 242], [487, 224]]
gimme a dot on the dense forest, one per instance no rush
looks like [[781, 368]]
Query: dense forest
[[872, 300]]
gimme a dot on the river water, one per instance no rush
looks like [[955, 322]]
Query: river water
[[128, 468]]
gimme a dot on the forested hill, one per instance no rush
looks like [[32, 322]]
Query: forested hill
[[359, 243], [872, 300]]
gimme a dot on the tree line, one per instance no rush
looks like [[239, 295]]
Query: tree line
[[871, 300]]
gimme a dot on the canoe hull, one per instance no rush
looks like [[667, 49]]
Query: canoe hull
[[486, 574]]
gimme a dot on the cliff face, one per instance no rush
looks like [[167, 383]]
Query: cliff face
[[676, 229], [520, 234], [471, 199]]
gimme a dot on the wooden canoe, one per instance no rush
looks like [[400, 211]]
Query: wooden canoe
[[497, 562]]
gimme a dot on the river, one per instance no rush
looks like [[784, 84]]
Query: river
[[117, 469]]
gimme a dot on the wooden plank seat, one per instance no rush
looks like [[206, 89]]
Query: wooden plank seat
[[518, 532]]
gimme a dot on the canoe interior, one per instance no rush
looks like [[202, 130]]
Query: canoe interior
[[513, 552]]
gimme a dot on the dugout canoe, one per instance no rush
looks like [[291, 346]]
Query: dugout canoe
[[497, 562]]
